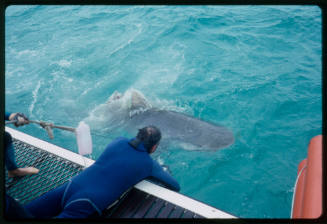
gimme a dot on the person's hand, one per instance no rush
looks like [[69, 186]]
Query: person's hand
[[20, 118]]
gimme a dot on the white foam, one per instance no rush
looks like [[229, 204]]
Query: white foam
[[160, 161], [34, 94], [27, 52], [85, 91], [129, 41], [188, 146], [64, 63], [165, 104]]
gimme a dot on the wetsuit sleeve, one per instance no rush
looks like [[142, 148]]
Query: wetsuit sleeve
[[7, 116], [164, 177]]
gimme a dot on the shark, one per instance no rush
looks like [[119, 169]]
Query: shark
[[134, 111]]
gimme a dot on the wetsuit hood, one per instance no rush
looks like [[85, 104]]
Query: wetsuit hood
[[140, 147]]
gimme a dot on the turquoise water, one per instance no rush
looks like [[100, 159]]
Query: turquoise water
[[253, 69]]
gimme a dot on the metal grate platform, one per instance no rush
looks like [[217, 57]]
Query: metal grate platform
[[54, 171]]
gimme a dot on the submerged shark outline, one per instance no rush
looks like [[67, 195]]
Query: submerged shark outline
[[173, 125]]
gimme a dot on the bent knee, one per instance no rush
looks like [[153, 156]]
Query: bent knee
[[8, 138], [79, 208]]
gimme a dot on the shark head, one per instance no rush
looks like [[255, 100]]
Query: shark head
[[115, 96], [131, 102], [138, 103]]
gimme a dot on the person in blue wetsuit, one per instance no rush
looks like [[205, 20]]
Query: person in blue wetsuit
[[14, 210], [124, 163], [10, 161]]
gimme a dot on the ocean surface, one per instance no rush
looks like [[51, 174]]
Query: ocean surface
[[253, 69]]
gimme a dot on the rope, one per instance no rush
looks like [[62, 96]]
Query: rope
[[47, 126]]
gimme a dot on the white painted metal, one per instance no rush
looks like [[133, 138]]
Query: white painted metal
[[146, 186], [182, 201], [46, 146]]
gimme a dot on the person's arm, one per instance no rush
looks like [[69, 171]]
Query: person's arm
[[159, 174], [7, 115], [20, 117]]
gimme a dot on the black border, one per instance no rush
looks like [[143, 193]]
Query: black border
[[321, 3]]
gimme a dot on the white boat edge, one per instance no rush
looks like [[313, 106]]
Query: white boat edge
[[146, 186]]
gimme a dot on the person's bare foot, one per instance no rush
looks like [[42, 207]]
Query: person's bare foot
[[22, 171]]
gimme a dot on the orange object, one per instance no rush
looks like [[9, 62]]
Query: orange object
[[308, 188], [298, 195]]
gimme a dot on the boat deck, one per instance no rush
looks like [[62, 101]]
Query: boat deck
[[139, 204], [58, 165]]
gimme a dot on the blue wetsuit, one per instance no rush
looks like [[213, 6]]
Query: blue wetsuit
[[15, 210], [118, 168], [10, 160]]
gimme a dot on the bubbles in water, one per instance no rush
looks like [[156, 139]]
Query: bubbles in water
[[35, 95], [65, 63], [27, 52]]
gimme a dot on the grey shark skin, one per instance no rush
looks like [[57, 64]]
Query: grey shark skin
[[132, 111], [184, 128]]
